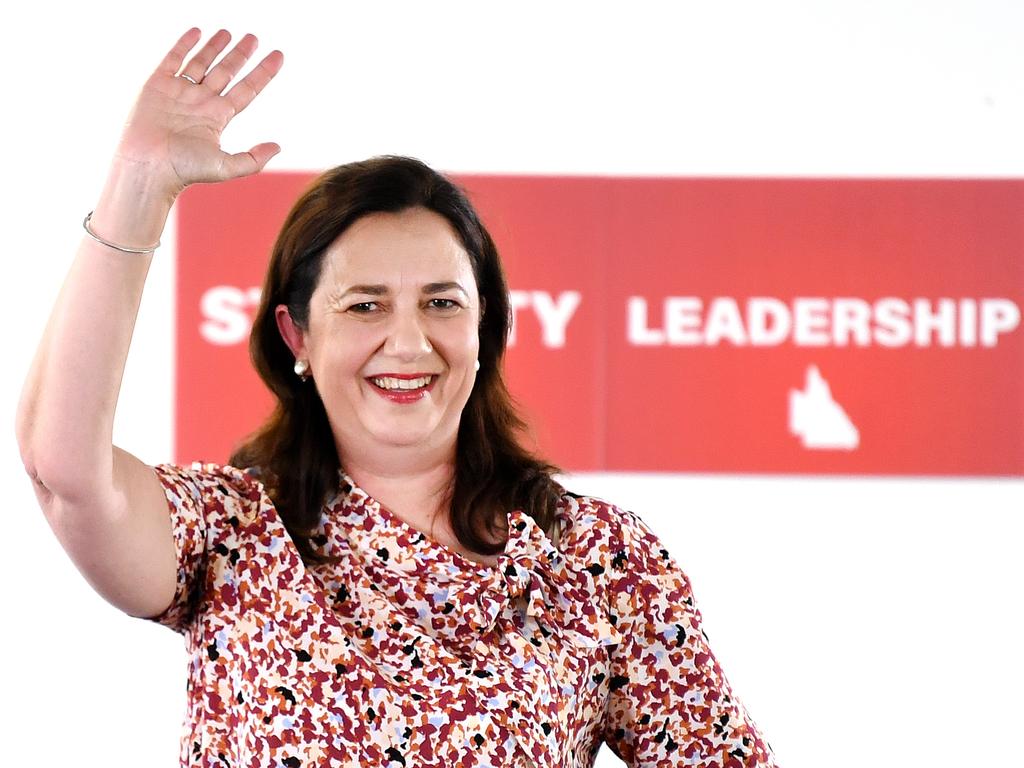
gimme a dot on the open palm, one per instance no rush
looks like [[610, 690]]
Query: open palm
[[175, 127]]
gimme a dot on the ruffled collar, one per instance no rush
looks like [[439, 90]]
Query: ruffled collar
[[569, 603], [395, 544]]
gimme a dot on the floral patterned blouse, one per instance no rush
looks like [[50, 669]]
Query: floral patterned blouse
[[405, 653]]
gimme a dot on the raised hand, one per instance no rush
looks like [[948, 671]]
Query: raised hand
[[175, 128], [105, 505]]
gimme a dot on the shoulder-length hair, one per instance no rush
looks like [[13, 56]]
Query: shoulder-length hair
[[294, 449]]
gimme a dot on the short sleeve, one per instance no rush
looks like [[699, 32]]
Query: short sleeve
[[670, 703], [197, 500]]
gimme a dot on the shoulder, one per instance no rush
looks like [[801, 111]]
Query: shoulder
[[645, 585], [588, 524], [623, 541], [580, 513], [213, 488]]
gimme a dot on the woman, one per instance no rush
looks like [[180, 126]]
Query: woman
[[391, 579]]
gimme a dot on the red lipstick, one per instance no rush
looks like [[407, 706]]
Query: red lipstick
[[398, 395]]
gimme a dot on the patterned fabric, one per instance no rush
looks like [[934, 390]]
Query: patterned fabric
[[405, 653]]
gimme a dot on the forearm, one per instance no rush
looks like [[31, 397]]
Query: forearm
[[66, 413]]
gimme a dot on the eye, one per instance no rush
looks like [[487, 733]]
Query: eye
[[363, 307], [444, 304]]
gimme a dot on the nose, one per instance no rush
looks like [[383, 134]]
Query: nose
[[407, 338]]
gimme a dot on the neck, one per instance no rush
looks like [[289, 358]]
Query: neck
[[411, 484]]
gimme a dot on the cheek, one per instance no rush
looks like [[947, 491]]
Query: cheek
[[348, 352], [457, 341], [469, 344]]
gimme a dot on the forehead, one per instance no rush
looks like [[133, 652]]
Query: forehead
[[411, 247]]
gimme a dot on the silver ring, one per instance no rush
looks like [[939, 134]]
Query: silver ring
[[194, 82]]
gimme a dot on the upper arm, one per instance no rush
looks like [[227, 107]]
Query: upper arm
[[119, 536], [670, 703]]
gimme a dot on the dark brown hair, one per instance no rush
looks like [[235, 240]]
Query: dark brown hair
[[294, 450]]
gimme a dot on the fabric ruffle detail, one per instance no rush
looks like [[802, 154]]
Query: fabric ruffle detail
[[567, 603]]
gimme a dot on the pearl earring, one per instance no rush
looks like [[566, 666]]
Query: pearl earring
[[302, 369], [477, 366]]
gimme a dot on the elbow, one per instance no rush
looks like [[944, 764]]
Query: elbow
[[44, 493], [54, 470], [36, 470], [24, 433]]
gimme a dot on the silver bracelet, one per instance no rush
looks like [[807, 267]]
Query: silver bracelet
[[115, 246]]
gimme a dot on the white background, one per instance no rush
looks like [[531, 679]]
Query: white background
[[862, 621]]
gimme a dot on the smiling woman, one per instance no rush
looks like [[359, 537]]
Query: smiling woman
[[378, 281], [382, 575], [421, 328]]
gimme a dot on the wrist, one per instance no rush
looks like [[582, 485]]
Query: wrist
[[134, 205], [148, 182]]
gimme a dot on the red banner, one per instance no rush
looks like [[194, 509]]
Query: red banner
[[692, 325]]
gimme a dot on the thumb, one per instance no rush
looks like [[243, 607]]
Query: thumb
[[248, 163]]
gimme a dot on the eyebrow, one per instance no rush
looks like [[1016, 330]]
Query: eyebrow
[[371, 290], [442, 287], [382, 290]]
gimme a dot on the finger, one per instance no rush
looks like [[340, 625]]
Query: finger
[[248, 163], [248, 88], [198, 64], [217, 79], [172, 61]]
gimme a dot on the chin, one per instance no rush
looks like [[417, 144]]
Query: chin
[[404, 437], [403, 441]]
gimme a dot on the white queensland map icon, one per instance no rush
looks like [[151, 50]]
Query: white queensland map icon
[[818, 420]]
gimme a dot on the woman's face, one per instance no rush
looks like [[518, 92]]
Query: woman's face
[[392, 338]]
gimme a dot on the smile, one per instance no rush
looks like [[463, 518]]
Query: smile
[[392, 383], [403, 388]]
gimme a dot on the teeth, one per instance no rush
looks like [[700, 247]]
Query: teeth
[[387, 382]]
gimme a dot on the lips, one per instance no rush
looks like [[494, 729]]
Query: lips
[[396, 382], [402, 387]]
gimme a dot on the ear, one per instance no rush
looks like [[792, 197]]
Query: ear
[[292, 334]]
